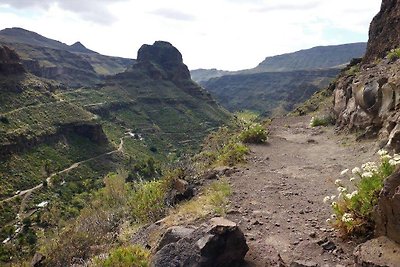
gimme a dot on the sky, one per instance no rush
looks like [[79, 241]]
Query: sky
[[223, 34]]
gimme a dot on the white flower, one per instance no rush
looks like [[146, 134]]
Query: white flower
[[382, 152], [369, 167], [333, 197], [326, 199], [338, 182], [396, 157], [352, 194], [356, 170], [347, 217], [328, 220], [344, 172], [334, 204], [333, 216], [352, 179], [367, 174], [393, 162], [341, 189], [386, 157]]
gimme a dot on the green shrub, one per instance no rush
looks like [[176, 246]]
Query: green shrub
[[321, 121], [148, 201], [394, 54], [233, 153], [353, 70], [353, 207], [131, 256], [219, 193], [255, 133]]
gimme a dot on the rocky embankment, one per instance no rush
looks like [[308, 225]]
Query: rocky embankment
[[367, 99]]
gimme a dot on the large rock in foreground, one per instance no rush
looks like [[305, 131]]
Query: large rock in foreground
[[388, 211], [378, 252], [218, 243]]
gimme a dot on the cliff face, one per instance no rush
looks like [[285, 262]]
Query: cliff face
[[10, 62], [384, 32], [367, 96]]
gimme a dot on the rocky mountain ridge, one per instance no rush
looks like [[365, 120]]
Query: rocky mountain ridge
[[73, 65]]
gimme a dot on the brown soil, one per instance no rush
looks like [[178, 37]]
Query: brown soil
[[277, 197]]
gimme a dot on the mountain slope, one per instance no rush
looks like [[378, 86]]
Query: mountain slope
[[58, 142], [320, 57], [270, 93], [73, 65]]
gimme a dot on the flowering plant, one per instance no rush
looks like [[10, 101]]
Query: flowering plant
[[358, 195]]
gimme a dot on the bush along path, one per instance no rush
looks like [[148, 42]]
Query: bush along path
[[278, 197]]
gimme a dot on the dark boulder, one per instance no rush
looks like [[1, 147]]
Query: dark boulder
[[387, 214], [220, 242], [378, 252]]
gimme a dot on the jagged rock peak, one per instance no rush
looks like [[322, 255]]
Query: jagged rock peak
[[161, 52], [79, 47], [384, 32], [10, 62], [166, 56]]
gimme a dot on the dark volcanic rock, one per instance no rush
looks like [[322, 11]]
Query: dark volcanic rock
[[218, 243], [367, 96], [166, 56], [388, 211], [384, 32], [10, 62], [378, 252]]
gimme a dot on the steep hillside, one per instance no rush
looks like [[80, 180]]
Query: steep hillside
[[73, 65], [367, 98], [270, 93], [58, 142]]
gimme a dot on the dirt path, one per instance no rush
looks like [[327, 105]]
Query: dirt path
[[277, 199]]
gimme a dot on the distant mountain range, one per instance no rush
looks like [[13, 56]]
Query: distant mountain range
[[74, 65], [280, 82]]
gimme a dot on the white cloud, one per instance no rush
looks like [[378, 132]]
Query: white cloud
[[226, 34]]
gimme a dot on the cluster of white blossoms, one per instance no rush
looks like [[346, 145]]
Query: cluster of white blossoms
[[347, 217], [312, 121]]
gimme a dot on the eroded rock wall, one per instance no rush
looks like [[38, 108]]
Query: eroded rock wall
[[367, 95]]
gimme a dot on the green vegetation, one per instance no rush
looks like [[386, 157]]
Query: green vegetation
[[254, 133], [353, 207], [319, 101], [394, 54], [353, 70], [148, 201], [321, 121], [227, 145], [213, 200], [130, 256]]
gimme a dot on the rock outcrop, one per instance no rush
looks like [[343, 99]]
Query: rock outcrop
[[10, 62], [384, 32], [217, 243], [165, 56], [367, 95], [388, 211], [378, 252]]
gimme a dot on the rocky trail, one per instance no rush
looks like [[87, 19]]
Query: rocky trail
[[277, 197]]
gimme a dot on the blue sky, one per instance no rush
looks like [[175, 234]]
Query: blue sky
[[224, 34]]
